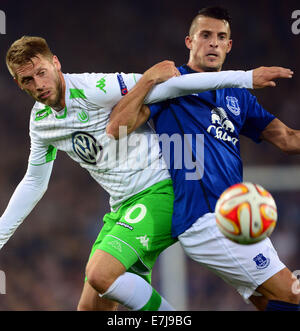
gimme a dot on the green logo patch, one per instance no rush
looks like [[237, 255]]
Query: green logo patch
[[101, 84], [83, 116], [77, 94]]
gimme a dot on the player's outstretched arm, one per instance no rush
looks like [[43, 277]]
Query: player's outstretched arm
[[204, 81], [131, 113], [283, 137], [27, 194]]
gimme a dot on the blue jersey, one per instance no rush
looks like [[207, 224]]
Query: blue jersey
[[208, 125]]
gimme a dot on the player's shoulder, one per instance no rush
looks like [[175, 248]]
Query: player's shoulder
[[83, 81], [237, 100], [98, 88], [89, 83], [237, 91], [90, 79]]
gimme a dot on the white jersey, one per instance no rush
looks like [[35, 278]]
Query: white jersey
[[124, 167]]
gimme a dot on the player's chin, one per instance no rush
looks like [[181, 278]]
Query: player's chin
[[50, 101], [43, 101], [212, 68], [213, 65]]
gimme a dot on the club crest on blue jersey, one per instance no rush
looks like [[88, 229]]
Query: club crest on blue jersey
[[86, 147], [261, 261], [233, 105]]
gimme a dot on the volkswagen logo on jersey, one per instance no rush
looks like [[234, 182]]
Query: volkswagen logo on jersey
[[86, 147]]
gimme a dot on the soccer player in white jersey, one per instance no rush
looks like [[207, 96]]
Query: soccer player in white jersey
[[248, 268], [71, 114]]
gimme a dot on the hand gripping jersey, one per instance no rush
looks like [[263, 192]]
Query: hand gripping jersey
[[209, 125]]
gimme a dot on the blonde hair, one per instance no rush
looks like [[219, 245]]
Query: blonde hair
[[24, 49]]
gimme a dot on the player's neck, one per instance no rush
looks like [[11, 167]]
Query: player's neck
[[62, 103]]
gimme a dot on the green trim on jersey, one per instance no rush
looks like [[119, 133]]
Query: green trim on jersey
[[140, 230], [77, 94], [64, 115], [41, 114], [134, 78], [50, 156]]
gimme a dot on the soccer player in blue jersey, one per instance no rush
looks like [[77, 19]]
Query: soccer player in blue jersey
[[220, 117]]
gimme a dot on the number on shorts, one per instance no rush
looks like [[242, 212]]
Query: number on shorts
[[139, 217]]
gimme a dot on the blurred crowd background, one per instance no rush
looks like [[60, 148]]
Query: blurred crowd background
[[44, 261]]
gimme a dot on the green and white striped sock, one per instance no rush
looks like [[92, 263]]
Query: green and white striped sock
[[135, 293]]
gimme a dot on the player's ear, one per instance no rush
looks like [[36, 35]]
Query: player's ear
[[229, 46], [16, 81], [56, 63], [188, 42]]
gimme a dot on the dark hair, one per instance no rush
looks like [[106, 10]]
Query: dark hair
[[217, 12]]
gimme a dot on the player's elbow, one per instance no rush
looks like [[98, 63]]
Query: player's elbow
[[44, 189], [40, 190], [289, 142]]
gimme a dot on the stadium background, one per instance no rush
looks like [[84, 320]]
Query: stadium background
[[45, 259]]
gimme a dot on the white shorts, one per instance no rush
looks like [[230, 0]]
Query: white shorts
[[244, 267]]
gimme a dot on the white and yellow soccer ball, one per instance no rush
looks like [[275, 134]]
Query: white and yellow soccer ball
[[246, 213]]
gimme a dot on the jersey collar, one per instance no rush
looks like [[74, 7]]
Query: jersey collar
[[187, 69]]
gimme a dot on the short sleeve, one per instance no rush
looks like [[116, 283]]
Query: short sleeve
[[40, 153], [256, 120]]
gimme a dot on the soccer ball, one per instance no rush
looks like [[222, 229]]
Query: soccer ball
[[246, 213]]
